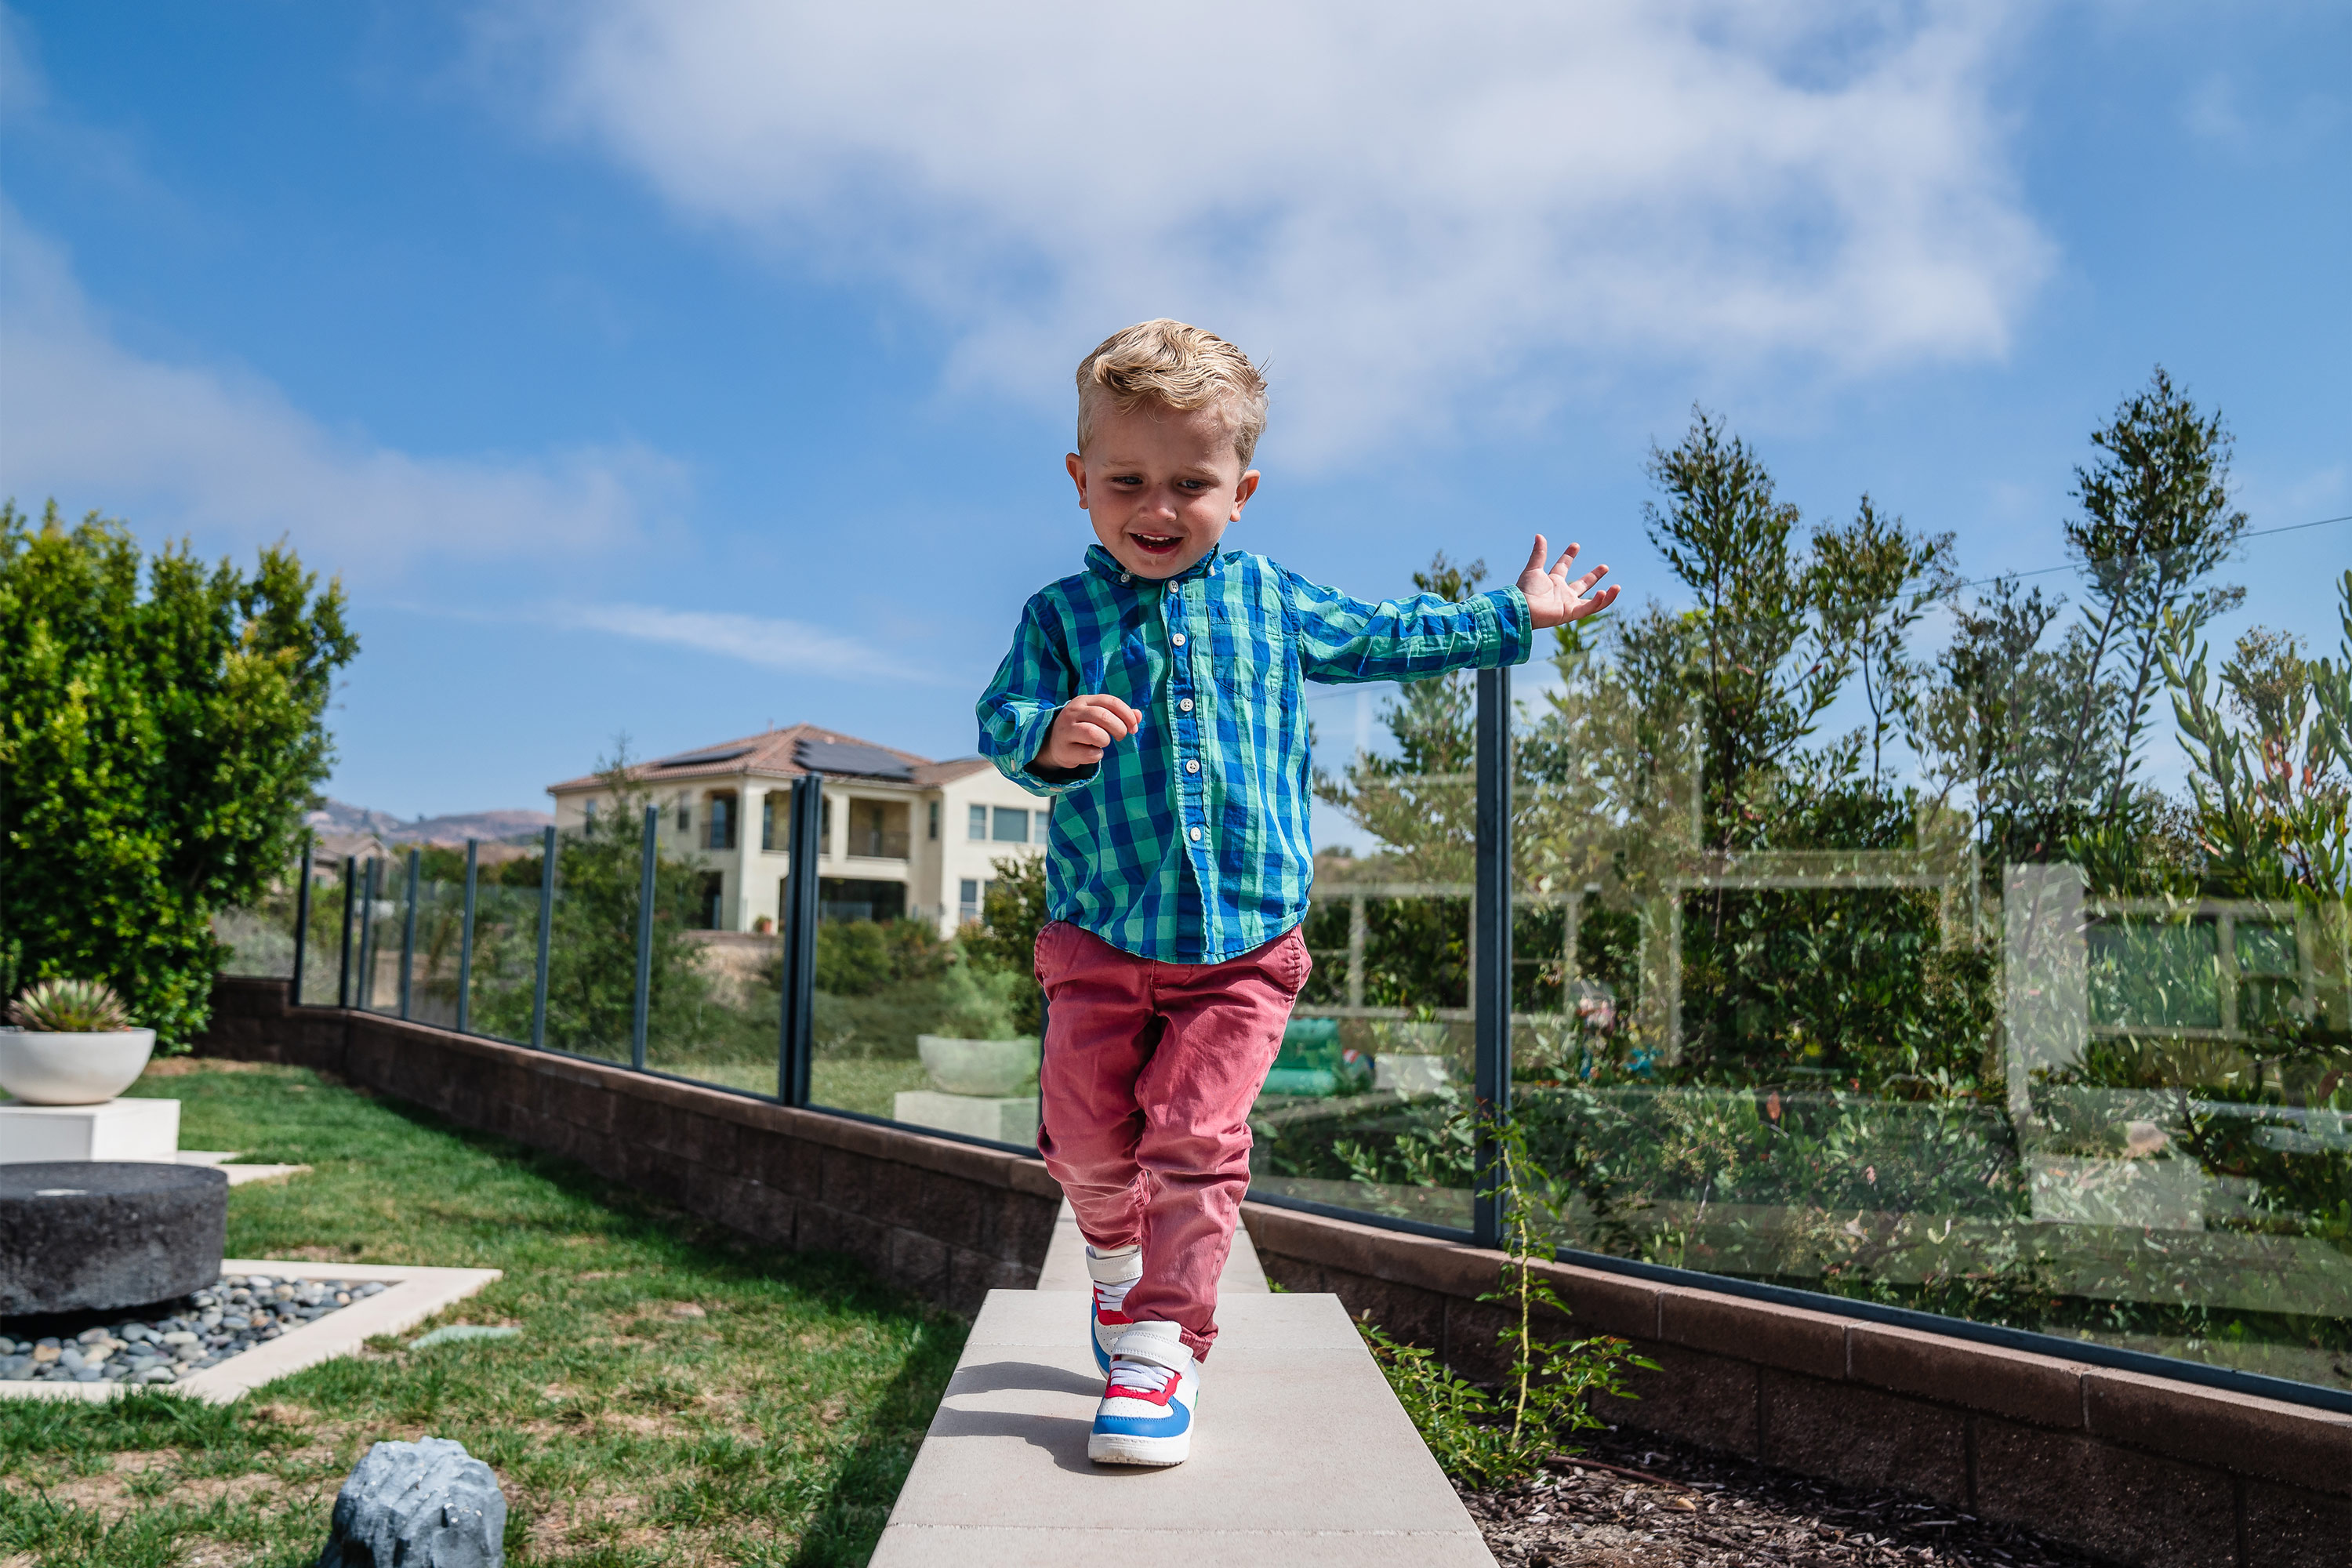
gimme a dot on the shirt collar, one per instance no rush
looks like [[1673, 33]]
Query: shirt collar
[[1104, 564]]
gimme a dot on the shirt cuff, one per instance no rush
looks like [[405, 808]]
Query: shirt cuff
[[1030, 739], [1513, 627]]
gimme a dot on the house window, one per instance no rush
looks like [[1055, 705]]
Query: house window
[[767, 820], [843, 899], [967, 904], [713, 901], [979, 822], [825, 827], [935, 821], [588, 811], [723, 822], [1012, 826], [685, 815]]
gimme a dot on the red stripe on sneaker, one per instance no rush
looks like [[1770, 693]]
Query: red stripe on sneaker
[[1115, 1390]]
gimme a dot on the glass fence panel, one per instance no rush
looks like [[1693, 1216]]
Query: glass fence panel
[[1991, 1021], [925, 1008], [591, 968], [375, 935], [504, 969], [259, 940], [435, 938], [1367, 1104], [715, 1009]]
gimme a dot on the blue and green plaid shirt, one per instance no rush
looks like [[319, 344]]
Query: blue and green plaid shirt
[[1189, 842]]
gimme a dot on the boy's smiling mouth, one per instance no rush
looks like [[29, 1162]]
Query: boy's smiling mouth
[[1158, 544]]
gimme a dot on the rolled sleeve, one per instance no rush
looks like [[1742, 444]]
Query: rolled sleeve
[[1017, 713]]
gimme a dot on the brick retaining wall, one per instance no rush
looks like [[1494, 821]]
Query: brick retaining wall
[[2140, 1470]]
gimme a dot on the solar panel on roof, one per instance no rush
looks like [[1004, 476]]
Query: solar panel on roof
[[697, 758], [851, 757]]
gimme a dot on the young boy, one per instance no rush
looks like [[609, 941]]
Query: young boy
[[1155, 697]]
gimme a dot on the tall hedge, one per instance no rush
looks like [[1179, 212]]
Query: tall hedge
[[158, 748]]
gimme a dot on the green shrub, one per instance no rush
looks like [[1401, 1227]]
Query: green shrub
[[158, 744]]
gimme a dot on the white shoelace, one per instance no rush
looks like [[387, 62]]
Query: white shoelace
[[1112, 1296], [1142, 1375]]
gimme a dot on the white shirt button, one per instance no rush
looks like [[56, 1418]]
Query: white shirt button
[[1126, 576], [1196, 836], [1178, 640], [1185, 706], [1191, 767]]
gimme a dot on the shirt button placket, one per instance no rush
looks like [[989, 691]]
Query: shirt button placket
[[1188, 733]]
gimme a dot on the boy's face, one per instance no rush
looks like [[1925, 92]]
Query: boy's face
[[1160, 485]]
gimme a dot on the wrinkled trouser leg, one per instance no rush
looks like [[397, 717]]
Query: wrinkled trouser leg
[[1148, 1073]]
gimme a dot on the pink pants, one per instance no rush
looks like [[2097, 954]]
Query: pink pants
[[1149, 1074]]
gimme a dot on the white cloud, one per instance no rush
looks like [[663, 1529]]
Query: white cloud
[[765, 641], [1394, 203], [223, 453]]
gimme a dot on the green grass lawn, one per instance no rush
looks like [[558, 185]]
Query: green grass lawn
[[677, 1396]]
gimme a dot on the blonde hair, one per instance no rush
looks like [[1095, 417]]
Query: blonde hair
[[1177, 367]]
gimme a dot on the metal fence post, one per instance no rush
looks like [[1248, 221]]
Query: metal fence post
[[301, 922], [408, 934], [351, 903], [643, 1008], [1490, 983], [546, 935], [466, 941], [797, 1025]]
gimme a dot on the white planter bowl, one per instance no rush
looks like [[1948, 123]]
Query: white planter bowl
[[42, 1068], [991, 1069]]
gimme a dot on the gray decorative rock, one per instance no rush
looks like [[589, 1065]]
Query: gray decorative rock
[[427, 1504], [78, 1235]]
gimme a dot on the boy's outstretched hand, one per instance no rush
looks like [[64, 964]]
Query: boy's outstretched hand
[[1083, 729], [1552, 599]]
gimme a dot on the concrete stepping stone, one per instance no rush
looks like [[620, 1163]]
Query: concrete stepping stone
[[1303, 1455]]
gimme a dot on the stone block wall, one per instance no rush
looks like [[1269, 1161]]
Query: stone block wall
[[947, 1220], [2135, 1468]]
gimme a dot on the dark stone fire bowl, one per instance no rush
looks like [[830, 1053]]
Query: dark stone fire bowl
[[79, 1234]]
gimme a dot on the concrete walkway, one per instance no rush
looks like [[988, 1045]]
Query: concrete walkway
[[1302, 1457]]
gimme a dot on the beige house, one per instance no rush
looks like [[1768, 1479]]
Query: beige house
[[903, 836]]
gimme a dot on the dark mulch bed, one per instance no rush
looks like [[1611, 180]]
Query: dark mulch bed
[[1700, 1510]]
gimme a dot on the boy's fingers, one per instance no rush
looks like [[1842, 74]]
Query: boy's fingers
[[1536, 556], [1109, 712], [1594, 605], [1591, 577], [1559, 568]]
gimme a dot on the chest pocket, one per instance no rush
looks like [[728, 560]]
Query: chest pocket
[[1251, 641]]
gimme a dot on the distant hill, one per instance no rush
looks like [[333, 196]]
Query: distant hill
[[343, 828]]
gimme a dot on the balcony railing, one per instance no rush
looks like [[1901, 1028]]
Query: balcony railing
[[878, 842]]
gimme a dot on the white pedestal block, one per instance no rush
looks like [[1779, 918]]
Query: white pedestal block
[[1013, 1120], [115, 1130]]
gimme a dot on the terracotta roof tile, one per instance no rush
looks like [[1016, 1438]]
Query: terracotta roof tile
[[770, 754]]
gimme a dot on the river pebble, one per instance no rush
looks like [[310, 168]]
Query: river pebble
[[196, 1332]]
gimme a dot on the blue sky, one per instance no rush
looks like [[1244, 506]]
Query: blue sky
[[676, 366]]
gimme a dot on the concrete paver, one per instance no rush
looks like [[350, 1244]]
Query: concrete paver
[[1302, 1454]]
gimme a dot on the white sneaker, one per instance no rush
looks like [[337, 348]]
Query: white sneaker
[[1114, 1274], [1146, 1413]]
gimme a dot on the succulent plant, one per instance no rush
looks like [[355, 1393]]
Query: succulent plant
[[71, 1008]]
